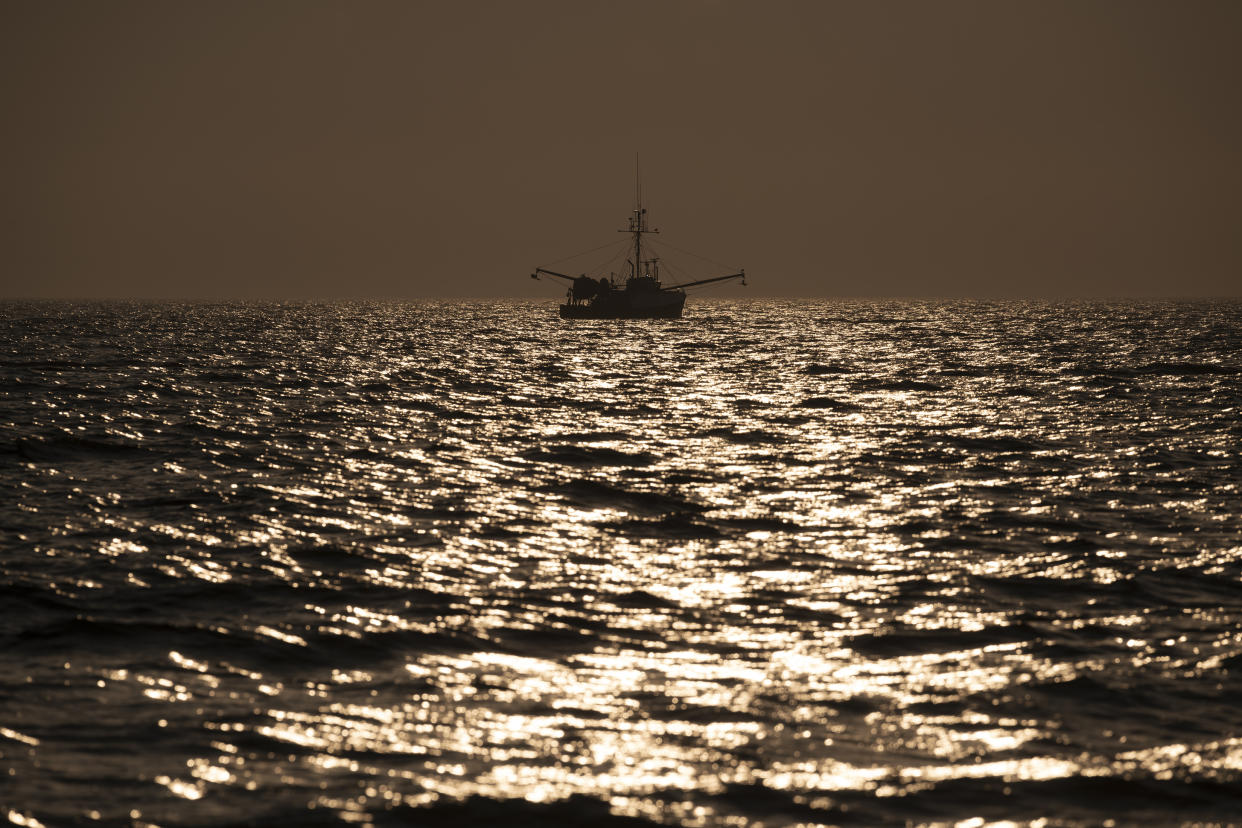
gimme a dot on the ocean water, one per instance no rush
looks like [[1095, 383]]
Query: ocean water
[[776, 563]]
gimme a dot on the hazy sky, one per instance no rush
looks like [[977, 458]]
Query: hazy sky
[[408, 149]]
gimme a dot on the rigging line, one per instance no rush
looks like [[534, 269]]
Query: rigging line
[[674, 269], [682, 275], [691, 277], [664, 264], [696, 255], [673, 264], [600, 267], [583, 253], [658, 249]]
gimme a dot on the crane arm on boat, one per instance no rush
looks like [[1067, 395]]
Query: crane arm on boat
[[547, 272], [739, 275]]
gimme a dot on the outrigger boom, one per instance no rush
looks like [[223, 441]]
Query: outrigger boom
[[741, 274], [547, 272]]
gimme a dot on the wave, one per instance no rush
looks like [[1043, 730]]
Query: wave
[[876, 384], [594, 493], [578, 455], [668, 526], [575, 811], [901, 641], [751, 437], [816, 369], [62, 448], [828, 403], [1189, 369]]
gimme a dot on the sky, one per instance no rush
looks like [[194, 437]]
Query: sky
[[405, 150]]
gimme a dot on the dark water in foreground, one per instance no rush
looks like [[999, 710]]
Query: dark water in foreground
[[776, 563]]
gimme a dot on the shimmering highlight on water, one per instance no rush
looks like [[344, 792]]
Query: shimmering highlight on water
[[777, 562]]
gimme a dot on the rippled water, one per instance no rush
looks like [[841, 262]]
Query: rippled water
[[466, 563]]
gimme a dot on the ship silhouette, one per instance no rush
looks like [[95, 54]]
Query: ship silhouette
[[641, 296]]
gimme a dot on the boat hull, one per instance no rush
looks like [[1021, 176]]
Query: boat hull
[[662, 305]]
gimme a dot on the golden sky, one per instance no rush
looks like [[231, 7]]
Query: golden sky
[[415, 149]]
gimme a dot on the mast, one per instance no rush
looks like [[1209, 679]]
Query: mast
[[638, 224], [638, 218]]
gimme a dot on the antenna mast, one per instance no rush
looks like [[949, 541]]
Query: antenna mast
[[638, 218], [638, 222]]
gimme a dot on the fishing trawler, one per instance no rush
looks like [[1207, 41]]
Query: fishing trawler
[[640, 296]]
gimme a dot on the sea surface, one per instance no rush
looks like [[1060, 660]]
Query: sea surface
[[775, 563]]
